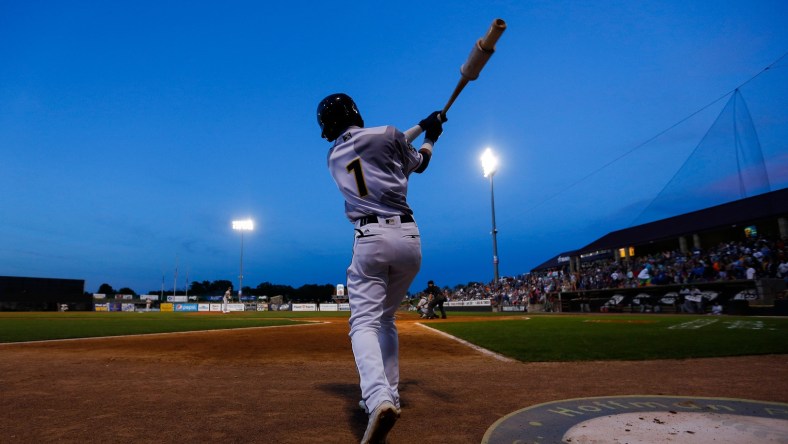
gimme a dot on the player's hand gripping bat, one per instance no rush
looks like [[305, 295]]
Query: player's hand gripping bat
[[479, 56]]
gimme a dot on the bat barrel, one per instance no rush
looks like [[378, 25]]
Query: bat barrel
[[478, 57], [482, 51], [488, 42]]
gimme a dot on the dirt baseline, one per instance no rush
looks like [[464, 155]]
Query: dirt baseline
[[299, 384]]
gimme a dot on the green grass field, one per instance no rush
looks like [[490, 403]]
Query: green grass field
[[585, 338], [38, 326], [525, 338]]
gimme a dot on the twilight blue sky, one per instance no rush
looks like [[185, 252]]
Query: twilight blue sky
[[133, 133]]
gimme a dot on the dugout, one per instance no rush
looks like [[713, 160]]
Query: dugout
[[43, 294], [726, 292]]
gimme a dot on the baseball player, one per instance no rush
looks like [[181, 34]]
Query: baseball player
[[226, 299], [437, 298], [371, 167], [422, 306]]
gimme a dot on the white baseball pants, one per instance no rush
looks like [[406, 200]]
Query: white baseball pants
[[386, 258]]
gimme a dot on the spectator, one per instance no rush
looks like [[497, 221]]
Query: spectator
[[645, 275], [725, 261], [782, 270]]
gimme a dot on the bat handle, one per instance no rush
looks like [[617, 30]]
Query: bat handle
[[460, 85]]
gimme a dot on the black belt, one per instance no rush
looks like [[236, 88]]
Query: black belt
[[404, 218]]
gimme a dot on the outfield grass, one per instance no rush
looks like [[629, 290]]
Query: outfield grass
[[37, 326], [606, 337]]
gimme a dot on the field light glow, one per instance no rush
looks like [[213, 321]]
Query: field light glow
[[489, 162], [247, 224]]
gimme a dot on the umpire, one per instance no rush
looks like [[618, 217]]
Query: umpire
[[438, 298]]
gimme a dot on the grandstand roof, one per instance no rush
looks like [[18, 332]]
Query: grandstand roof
[[744, 211], [555, 261], [750, 209]]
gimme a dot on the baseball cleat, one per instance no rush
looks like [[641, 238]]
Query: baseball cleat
[[380, 423]]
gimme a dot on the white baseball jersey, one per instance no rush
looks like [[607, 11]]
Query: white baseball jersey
[[371, 167]]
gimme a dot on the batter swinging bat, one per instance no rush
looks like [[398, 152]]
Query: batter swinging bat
[[478, 57]]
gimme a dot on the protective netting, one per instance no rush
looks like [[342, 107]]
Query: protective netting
[[733, 147], [726, 165]]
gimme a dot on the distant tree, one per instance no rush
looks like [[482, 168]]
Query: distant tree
[[269, 289], [106, 289], [208, 288], [199, 288], [220, 286], [313, 292], [126, 290]]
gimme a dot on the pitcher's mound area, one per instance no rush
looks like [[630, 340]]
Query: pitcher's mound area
[[644, 419]]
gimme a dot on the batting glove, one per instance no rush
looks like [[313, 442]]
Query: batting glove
[[433, 125]]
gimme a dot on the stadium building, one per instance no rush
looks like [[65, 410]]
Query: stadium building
[[43, 294], [761, 216]]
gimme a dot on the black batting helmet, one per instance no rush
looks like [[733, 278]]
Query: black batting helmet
[[335, 114]]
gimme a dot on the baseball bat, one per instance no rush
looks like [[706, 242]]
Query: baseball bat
[[478, 57]]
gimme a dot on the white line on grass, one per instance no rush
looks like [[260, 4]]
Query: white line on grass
[[468, 344]]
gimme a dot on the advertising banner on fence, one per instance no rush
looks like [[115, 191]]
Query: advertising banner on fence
[[235, 307], [344, 307], [149, 297], [166, 306], [177, 299], [262, 307], [127, 307], [203, 307], [473, 303], [185, 307], [329, 307], [102, 307], [304, 307]]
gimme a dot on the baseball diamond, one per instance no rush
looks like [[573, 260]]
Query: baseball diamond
[[298, 384]]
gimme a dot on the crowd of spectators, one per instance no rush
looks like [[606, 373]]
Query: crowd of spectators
[[749, 259]]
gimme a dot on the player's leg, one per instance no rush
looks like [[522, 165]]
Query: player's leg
[[431, 308], [367, 280], [405, 247]]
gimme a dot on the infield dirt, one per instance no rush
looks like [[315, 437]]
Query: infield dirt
[[299, 384]]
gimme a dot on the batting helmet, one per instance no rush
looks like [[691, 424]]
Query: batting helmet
[[335, 114]]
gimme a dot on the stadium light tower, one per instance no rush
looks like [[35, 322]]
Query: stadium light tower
[[242, 225], [490, 165]]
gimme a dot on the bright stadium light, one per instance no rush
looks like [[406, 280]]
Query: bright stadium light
[[489, 162], [242, 225], [490, 165], [247, 224]]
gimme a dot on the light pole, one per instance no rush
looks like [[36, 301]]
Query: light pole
[[242, 225], [489, 165]]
